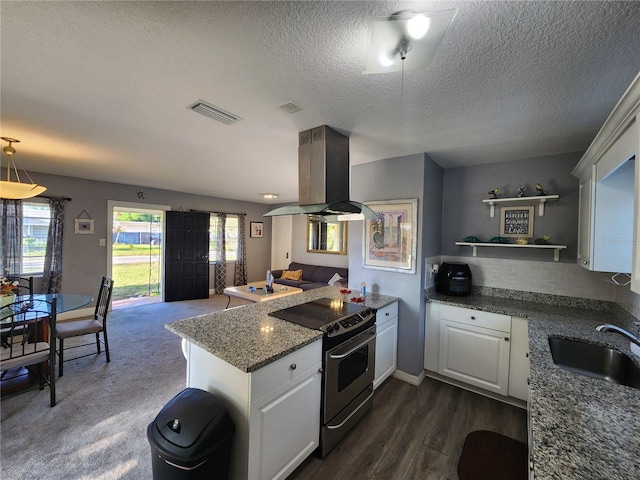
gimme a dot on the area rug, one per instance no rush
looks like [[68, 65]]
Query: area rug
[[491, 456]]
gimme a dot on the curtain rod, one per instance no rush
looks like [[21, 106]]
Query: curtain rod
[[46, 196], [208, 211]]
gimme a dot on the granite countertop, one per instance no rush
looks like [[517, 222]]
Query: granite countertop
[[583, 428], [248, 338]]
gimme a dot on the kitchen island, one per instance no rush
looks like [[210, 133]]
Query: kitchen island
[[267, 371], [581, 427]]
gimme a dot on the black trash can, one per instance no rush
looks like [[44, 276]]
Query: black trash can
[[191, 438]]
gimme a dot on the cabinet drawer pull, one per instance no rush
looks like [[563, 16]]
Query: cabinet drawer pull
[[472, 317], [387, 314], [506, 339], [293, 366]]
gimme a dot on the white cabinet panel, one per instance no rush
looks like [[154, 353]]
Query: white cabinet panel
[[475, 355], [285, 427], [386, 343], [519, 359], [276, 409]]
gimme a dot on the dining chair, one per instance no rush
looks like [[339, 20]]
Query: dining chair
[[25, 285], [94, 325], [31, 326]]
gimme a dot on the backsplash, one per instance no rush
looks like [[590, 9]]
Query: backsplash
[[554, 278]]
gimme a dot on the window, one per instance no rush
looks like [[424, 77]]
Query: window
[[230, 236], [35, 231]]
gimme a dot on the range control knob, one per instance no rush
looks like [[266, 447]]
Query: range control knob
[[336, 326], [329, 328]]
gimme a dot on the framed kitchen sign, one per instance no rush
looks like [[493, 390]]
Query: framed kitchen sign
[[516, 222], [256, 229], [389, 243]]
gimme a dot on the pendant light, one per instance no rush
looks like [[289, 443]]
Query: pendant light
[[16, 190]]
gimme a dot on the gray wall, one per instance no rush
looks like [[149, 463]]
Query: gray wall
[[299, 247], [464, 214], [400, 178], [85, 262]]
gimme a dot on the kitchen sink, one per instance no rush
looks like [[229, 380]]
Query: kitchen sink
[[595, 361]]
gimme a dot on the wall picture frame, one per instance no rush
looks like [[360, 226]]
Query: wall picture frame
[[516, 222], [84, 226], [390, 242], [256, 229]]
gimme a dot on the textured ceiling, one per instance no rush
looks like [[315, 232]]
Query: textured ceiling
[[100, 90]]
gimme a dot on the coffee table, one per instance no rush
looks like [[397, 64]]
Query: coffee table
[[259, 295]]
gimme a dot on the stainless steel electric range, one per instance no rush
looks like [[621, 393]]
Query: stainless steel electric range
[[349, 347]]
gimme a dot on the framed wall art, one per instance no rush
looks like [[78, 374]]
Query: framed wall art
[[256, 229], [516, 222], [389, 243], [83, 225]]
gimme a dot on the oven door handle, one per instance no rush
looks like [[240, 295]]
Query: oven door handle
[[370, 336], [334, 427]]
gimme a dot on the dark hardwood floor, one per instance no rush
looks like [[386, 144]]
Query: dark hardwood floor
[[414, 433]]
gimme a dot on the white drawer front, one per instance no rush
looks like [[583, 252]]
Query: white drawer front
[[386, 314], [478, 318], [284, 369]]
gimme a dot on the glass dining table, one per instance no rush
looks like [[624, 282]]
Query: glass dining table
[[65, 302]]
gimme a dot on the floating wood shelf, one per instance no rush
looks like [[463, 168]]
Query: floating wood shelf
[[474, 245], [540, 200]]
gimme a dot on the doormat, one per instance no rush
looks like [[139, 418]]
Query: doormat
[[492, 456]]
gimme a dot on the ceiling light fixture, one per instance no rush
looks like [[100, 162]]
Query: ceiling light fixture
[[269, 196], [392, 38], [16, 190]]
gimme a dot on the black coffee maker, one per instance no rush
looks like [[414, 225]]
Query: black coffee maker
[[453, 279]]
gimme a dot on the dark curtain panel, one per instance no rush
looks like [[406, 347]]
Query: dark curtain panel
[[240, 272], [11, 237], [220, 269], [52, 277]]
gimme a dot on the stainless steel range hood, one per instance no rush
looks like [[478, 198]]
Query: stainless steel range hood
[[323, 178]]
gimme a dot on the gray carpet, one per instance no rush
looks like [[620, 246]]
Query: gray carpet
[[98, 428]]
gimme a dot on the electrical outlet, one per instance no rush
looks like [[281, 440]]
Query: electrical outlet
[[430, 270], [103, 242]]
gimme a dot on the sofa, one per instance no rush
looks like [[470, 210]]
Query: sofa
[[313, 276]]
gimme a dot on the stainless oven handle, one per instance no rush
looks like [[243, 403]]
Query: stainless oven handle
[[334, 427], [350, 351]]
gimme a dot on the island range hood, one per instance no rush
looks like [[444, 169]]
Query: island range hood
[[323, 178]]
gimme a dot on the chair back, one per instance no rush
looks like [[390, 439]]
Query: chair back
[[25, 285], [28, 328], [104, 298]]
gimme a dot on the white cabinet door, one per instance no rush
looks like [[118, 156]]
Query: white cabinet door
[[386, 343], [285, 426], [519, 359], [432, 337], [475, 355]]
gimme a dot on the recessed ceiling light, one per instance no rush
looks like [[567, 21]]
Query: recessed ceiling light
[[269, 196]]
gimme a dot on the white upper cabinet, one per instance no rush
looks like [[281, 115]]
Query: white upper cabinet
[[609, 205]]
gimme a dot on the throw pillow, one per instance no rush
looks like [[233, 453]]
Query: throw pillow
[[291, 275], [334, 279]]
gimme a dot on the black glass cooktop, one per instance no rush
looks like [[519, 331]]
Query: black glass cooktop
[[318, 313]]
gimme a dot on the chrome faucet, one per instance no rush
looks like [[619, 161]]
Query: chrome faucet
[[606, 327]]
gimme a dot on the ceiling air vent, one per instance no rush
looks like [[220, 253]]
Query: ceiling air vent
[[291, 107], [214, 112]]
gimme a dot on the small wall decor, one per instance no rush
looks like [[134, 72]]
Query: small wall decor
[[516, 222], [256, 229], [390, 242], [84, 226]]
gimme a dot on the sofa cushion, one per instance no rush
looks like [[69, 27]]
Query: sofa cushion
[[291, 275], [292, 283]]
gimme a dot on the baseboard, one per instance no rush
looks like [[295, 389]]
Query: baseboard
[[406, 377], [516, 402]]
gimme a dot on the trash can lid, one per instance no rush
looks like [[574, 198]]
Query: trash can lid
[[193, 415]]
